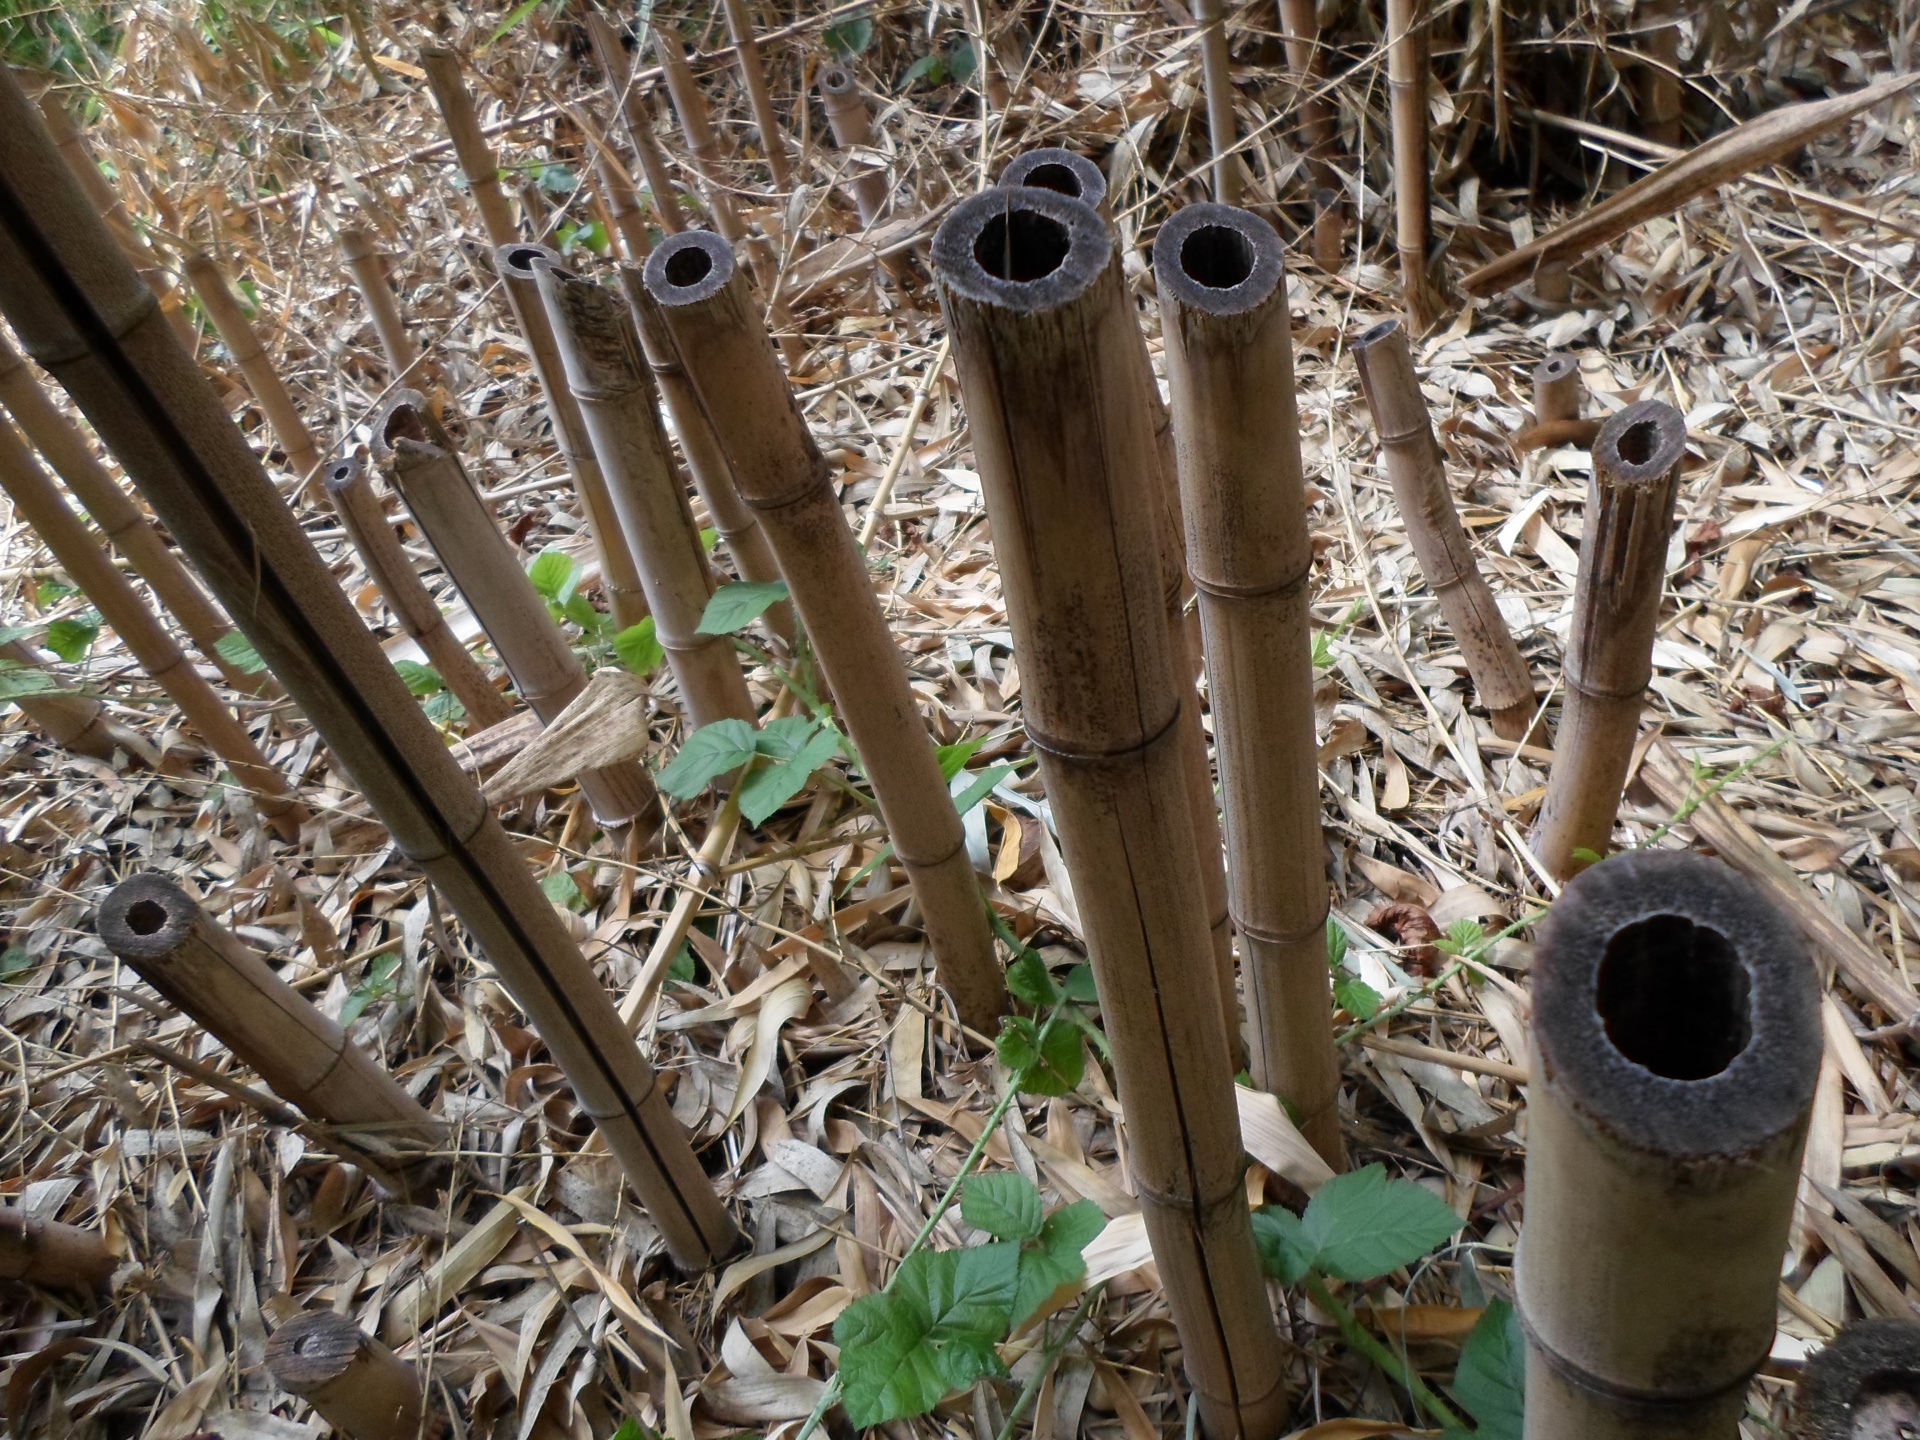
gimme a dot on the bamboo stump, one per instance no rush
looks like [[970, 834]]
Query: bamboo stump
[[852, 126], [1864, 1384], [1557, 389], [49, 1254], [357, 1384]]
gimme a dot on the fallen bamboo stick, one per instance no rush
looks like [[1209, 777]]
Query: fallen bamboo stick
[[1221, 278], [72, 721], [1407, 80], [1031, 288], [357, 1384], [1216, 71], [1616, 609], [1676, 1040], [783, 477], [852, 126], [243, 345], [1557, 389], [370, 278], [753, 74], [49, 1254], [1418, 473], [1864, 1384], [612, 55]]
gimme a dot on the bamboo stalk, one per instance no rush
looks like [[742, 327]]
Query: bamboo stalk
[[1221, 277], [1300, 28], [613, 58], [72, 721], [243, 345], [1418, 474], [1407, 95], [79, 310], [1557, 389], [423, 467], [1676, 1039], [1660, 99], [766, 119], [619, 196], [1329, 230], [37, 501], [1616, 608], [56, 1256], [690, 106], [367, 526], [477, 163], [1031, 287], [852, 126], [1864, 1384], [1216, 69], [784, 478], [615, 391], [357, 1384], [370, 278]]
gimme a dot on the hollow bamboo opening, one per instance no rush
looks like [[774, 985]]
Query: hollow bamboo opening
[[357, 1384], [1063, 171], [852, 126], [1864, 1384], [1557, 388]]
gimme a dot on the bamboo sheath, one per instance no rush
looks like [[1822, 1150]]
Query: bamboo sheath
[[1223, 306], [612, 55], [37, 501], [1676, 1040], [1864, 1384], [243, 345], [852, 126], [1418, 473], [1616, 610], [1557, 388], [753, 74], [421, 463], [82, 313], [1407, 79], [1216, 69], [783, 477], [73, 722], [47, 1253], [1031, 288], [615, 392], [357, 1384], [370, 278], [367, 526]]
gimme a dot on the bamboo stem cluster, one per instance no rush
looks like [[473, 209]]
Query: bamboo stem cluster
[[638, 118]]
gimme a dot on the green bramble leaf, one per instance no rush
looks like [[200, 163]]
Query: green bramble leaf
[[1357, 998], [709, 751], [931, 1332], [737, 605], [1322, 649], [849, 38], [552, 572], [1028, 979], [1080, 986], [444, 708], [1336, 945], [709, 537], [237, 650], [1462, 937], [421, 680], [795, 747], [683, 967], [1361, 1225], [19, 682], [73, 637], [953, 758], [1285, 1252], [13, 960], [563, 889], [931, 67], [49, 593], [1056, 1257], [1491, 1379], [639, 648], [962, 62], [1045, 1060], [1006, 1206]]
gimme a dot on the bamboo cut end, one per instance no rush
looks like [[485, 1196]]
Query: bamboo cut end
[[1676, 1006], [1218, 259], [407, 419], [1022, 249], [687, 268], [1864, 1384], [344, 475], [1556, 369], [1641, 445], [836, 82], [313, 1350], [602, 362], [146, 918], [1063, 171], [523, 261], [1375, 335]]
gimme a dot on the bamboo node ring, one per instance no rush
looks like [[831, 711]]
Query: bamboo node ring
[[1061, 750]]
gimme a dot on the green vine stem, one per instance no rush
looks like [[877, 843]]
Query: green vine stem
[[1050, 1356], [1360, 1338]]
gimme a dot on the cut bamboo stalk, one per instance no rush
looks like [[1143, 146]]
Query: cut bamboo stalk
[[1329, 230], [80, 310], [37, 501], [56, 1256], [1864, 1384], [1407, 94], [1616, 608], [612, 54], [421, 463], [1676, 1041], [477, 163], [357, 1384], [766, 119], [367, 526], [73, 722], [370, 278], [690, 106], [1216, 70], [1221, 277], [1658, 23], [1557, 389], [243, 345], [1418, 473], [615, 391], [852, 126], [1300, 28], [1031, 287], [784, 478]]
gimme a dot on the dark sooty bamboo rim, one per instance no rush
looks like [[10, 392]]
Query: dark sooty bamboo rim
[[405, 417], [1641, 444], [690, 267], [837, 80], [146, 917], [1056, 168], [1205, 244], [1060, 242], [1556, 366], [519, 259], [1869, 1358], [1768, 1084]]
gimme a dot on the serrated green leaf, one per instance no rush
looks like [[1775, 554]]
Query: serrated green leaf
[[953, 758], [1357, 998], [73, 637], [737, 605], [1080, 985], [50, 592], [1461, 937], [1044, 1061], [793, 757], [1056, 1258], [1322, 650], [1336, 945], [421, 680], [1006, 1206], [930, 1332], [709, 751], [1285, 1252], [579, 611], [551, 572], [237, 650], [1491, 1380], [563, 889], [444, 708], [1363, 1224], [639, 648], [850, 37], [1028, 979]]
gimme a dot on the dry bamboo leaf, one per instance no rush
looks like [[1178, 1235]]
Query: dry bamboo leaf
[[605, 724], [1275, 1141]]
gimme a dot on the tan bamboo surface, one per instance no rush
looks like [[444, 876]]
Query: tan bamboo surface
[[1658, 24], [369, 272], [852, 126], [622, 201], [367, 526], [1300, 29], [67, 452], [638, 118], [1417, 470], [56, 1256], [1616, 609], [74, 722], [1407, 80], [425, 470], [475, 156], [696, 125], [753, 75], [256, 368], [1216, 69], [1329, 230], [783, 477], [1071, 477], [615, 390], [1676, 1041], [1557, 389], [37, 501], [1863, 1384], [83, 314], [1221, 278], [356, 1383]]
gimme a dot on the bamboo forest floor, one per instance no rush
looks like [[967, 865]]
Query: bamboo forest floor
[[1787, 674]]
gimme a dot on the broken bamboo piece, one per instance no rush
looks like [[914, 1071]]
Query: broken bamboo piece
[[1557, 389], [1609, 652], [71, 720], [852, 126], [766, 120], [357, 1384], [1221, 278], [370, 278], [1216, 70], [1031, 288], [1863, 1384], [50, 1254], [611, 52], [1676, 1040], [1417, 470], [1407, 78], [243, 345], [783, 477]]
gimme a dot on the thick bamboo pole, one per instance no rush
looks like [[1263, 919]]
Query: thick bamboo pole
[[1864, 1384], [852, 126], [47, 1253], [74, 722], [1676, 1039], [1557, 389], [370, 278], [614, 60], [423, 467], [1616, 609], [1418, 474], [753, 74], [80, 310], [357, 1384], [615, 390], [1216, 70], [37, 500], [1223, 310], [784, 478], [1407, 95], [243, 345], [1031, 287], [365, 521]]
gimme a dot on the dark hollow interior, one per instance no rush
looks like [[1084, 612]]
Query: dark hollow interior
[[523, 258], [1674, 997], [1639, 442], [689, 266], [1217, 256], [1022, 246], [1376, 332], [146, 917], [1054, 176]]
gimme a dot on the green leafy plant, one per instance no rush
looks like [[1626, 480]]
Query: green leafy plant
[[589, 235], [562, 889], [850, 38], [736, 605], [790, 749], [73, 637], [556, 576], [1046, 1052], [1350, 993], [381, 982], [639, 649], [441, 705], [237, 650], [50, 592]]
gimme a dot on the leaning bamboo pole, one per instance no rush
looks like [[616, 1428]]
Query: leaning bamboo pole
[[256, 368], [615, 391], [1216, 70], [746, 51], [638, 117], [852, 126], [690, 108], [1676, 1040], [367, 526], [1407, 94], [49, 1254], [1300, 29], [80, 311], [1418, 473], [72, 721], [783, 477], [1616, 610], [357, 1384], [1557, 388], [1863, 1384], [1221, 277], [1031, 287], [37, 500], [370, 278]]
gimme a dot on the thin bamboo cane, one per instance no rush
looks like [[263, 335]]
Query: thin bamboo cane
[[358, 1385], [477, 163], [1557, 388], [1329, 230], [1407, 96], [1031, 287], [613, 58], [852, 126], [243, 345], [615, 391], [1223, 305], [765, 118], [1864, 1384], [1300, 26], [423, 467], [37, 500], [1418, 474], [784, 478], [80, 310], [536, 215], [370, 278], [690, 106], [367, 526], [621, 199], [1676, 1039], [47, 1253], [1659, 24], [73, 722], [1616, 609], [1216, 69]]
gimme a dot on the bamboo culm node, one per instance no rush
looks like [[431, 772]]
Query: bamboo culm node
[[1031, 287], [356, 1383], [1676, 1042], [1864, 1384], [1616, 610], [783, 477], [1407, 80], [49, 1254]]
